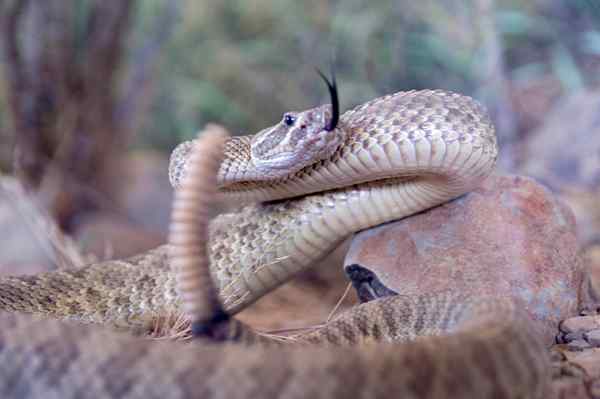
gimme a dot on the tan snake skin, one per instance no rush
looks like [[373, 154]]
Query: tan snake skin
[[397, 155]]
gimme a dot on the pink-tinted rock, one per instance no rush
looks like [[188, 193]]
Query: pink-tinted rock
[[580, 324], [593, 338], [511, 237]]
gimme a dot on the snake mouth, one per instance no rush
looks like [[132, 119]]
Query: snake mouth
[[366, 283]]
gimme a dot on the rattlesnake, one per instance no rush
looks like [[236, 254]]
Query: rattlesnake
[[386, 159]]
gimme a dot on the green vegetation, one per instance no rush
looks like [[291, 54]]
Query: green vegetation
[[242, 63]]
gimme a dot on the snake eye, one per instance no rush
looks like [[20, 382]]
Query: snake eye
[[289, 119]]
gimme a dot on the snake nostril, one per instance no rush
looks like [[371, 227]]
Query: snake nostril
[[302, 126]]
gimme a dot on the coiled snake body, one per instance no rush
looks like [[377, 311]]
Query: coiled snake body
[[384, 160]]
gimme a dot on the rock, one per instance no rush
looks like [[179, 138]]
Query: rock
[[509, 237], [563, 338], [593, 338], [563, 153], [579, 325], [590, 289]]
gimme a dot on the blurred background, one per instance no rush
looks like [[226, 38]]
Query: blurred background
[[95, 94]]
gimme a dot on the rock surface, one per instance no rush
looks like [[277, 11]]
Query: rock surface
[[577, 326], [509, 237], [593, 338]]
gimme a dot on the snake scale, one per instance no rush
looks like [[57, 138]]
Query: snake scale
[[312, 180]]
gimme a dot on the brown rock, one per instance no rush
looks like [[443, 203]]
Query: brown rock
[[509, 237]]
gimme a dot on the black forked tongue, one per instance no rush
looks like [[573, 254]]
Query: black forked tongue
[[335, 104]]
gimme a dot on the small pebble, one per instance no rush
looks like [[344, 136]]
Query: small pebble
[[580, 324], [590, 311], [563, 338], [593, 337]]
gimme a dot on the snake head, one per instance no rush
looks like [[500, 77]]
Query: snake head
[[300, 139]]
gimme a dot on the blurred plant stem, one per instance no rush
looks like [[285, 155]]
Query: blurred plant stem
[[495, 84], [71, 122]]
